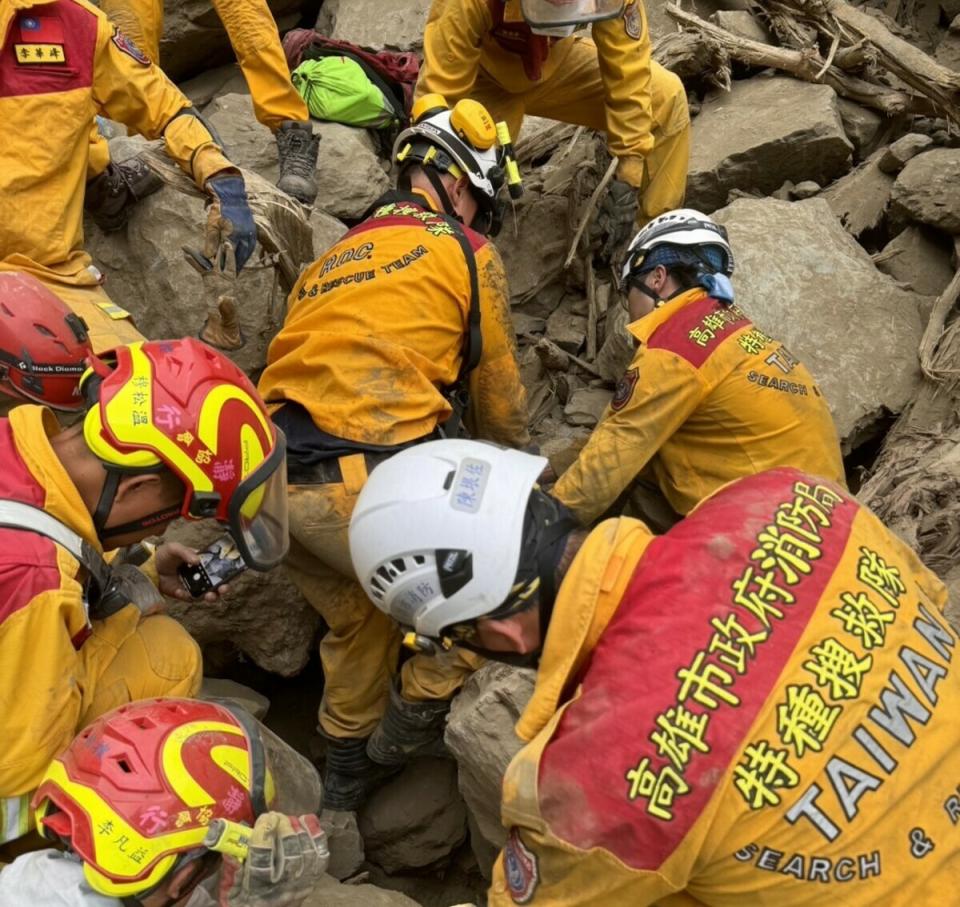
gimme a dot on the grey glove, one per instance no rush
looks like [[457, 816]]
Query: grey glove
[[616, 218]]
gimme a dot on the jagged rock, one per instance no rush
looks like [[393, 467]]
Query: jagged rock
[[806, 189], [344, 841], [246, 142], [740, 22], [860, 198], [915, 259], [212, 83], [194, 38], [926, 189], [397, 25], [863, 126], [326, 231], [742, 140], [894, 158], [586, 406], [566, 329], [533, 250], [328, 892], [350, 175], [417, 819], [481, 737], [948, 50], [216, 688], [264, 615], [805, 281], [524, 323]]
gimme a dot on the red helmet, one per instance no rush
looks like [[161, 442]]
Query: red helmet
[[43, 344], [183, 405], [135, 791]]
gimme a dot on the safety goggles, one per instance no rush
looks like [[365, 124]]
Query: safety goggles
[[257, 517], [540, 14]]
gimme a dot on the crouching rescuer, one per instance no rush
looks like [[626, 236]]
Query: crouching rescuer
[[171, 429], [396, 335], [756, 707], [157, 796]]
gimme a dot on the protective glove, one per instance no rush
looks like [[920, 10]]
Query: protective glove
[[616, 217], [287, 856], [231, 234]]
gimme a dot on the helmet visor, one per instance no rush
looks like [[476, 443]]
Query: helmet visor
[[553, 13], [258, 511]]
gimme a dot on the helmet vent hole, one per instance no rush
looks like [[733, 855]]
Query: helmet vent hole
[[144, 723], [43, 329], [6, 311], [399, 565], [124, 766], [448, 481], [384, 573], [419, 560]]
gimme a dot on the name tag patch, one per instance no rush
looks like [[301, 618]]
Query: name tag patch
[[44, 54]]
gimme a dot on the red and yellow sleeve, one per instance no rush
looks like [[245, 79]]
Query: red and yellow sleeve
[[498, 400], [653, 399], [623, 46], [128, 88], [451, 47]]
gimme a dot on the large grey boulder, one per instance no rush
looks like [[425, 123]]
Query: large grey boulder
[[350, 174], [805, 281], [926, 189], [194, 38], [480, 734], [915, 258], [397, 25], [761, 133], [328, 892], [860, 198], [415, 820], [246, 142], [264, 616]]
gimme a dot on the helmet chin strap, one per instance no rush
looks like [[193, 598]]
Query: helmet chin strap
[[108, 495]]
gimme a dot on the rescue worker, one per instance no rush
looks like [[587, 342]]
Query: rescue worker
[[708, 396], [521, 57], [388, 333], [61, 62], [194, 767], [277, 105], [173, 428], [756, 708]]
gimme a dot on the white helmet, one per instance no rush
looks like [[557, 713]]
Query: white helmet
[[551, 14], [437, 531], [460, 141], [682, 227]]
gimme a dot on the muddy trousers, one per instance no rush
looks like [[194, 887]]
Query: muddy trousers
[[255, 40], [360, 650], [126, 658], [575, 94]]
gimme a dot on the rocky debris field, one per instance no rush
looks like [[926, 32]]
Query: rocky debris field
[[824, 139]]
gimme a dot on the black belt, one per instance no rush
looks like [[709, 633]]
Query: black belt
[[328, 472]]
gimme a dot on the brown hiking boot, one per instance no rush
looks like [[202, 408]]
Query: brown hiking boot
[[110, 196]]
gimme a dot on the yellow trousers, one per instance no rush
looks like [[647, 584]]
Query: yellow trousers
[[575, 94], [253, 34], [360, 650]]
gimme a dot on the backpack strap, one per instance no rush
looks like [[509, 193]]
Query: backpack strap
[[112, 590]]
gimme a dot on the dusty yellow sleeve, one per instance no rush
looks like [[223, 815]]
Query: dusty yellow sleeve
[[625, 71], [451, 47], [498, 399], [41, 677], [135, 92], [665, 391]]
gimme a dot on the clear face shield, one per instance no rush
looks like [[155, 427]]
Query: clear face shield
[[258, 511], [543, 15]]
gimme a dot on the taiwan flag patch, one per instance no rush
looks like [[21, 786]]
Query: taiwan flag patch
[[41, 41]]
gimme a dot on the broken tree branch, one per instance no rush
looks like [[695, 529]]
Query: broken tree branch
[[588, 213], [935, 324]]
